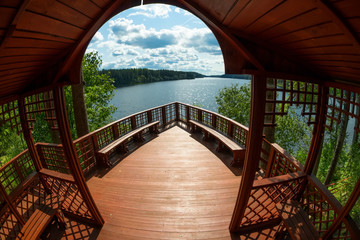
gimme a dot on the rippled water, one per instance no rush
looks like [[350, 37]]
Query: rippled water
[[200, 92]]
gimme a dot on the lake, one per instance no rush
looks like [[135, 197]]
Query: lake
[[199, 91]]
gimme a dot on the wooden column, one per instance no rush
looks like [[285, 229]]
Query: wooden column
[[71, 155], [28, 136], [318, 135], [163, 113], [253, 148], [177, 111]]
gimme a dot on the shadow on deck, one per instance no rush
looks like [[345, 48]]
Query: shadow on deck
[[173, 187]]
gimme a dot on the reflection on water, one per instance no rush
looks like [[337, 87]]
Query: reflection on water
[[200, 91]]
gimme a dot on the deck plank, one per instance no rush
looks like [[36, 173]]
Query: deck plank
[[172, 187]]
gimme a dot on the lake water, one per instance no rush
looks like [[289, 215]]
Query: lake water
[[199, 91]]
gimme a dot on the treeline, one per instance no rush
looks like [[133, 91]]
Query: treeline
[[127, 77]]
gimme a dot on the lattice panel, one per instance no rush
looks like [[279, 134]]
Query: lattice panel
[[341, 233], [86, 155], [104, 137], [320, 211], [30, 199], [124, 126], [73, 201], [342, 102], [156, 115], [264, 154], [9, 113], [240, 135], [193, 114], [182, 113], [10, 176], [9, 226], [262, 202], [170, 111], [280, 94], [53, 157], [39, 103], [141, 119], [282, 165], [222, 125], [207, 118], [25, 164]]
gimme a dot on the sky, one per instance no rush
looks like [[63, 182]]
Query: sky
[[158, 36]]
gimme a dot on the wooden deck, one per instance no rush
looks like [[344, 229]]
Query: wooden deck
[[172, 187]]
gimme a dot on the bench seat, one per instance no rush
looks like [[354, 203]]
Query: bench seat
[[41, 218], [103, 153], [237, 150], [296, 221]]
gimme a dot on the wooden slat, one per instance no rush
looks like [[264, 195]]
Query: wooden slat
[[172, 187]]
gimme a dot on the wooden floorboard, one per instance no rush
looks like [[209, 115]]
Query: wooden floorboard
[[173, 187]]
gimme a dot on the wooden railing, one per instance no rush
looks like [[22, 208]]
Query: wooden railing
[[283, 174]]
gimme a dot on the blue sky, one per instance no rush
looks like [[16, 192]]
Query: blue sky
[[158, 36]]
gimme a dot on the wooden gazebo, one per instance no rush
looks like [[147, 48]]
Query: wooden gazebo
[[306, 50]]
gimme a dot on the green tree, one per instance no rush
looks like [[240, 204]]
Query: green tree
[[99, 90], [234, 102]]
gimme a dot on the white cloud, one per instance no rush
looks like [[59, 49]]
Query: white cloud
[[131, 45], [152, 11]]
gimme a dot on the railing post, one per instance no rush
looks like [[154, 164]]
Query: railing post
[[253, 148], [13, 208], [213, 121], [115, 130], [230, 129], [270, 162], [187, 108], [149, 116], [177, 109], [199, 115], [18, 171], [133, 123], [71, 154], [163, 113]]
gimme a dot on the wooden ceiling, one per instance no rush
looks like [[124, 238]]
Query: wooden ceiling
[[42, 42]]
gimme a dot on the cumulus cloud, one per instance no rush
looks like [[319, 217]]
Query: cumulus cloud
[[179, 48], [152, 11], [97, 37]]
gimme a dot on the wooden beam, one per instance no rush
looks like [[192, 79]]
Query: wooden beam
[[14, 22], [318, 132], [222, 30], [71, 155], [336, 17], [253, 148], [74, 58]]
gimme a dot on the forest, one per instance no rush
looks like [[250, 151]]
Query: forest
[[133, 76]]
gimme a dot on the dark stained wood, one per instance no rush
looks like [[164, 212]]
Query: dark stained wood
[[237, 150], [253, 148], [172, 187], [104, 153], [297, 221]]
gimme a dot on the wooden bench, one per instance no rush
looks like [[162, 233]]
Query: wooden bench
[[296, 221], [237, 150], [42, 217], [103, 153]]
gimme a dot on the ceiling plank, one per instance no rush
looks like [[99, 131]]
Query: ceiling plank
[[14, 22]]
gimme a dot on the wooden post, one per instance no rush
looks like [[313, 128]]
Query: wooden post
[[199, 115], [163, 113], [177, 111], [71, 155], [187, 114], [28, 136], [318, 135], [133, 123], [354, 232], [253, 148], [149, 116], [213, 120], [270, 162], [230, 129]]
